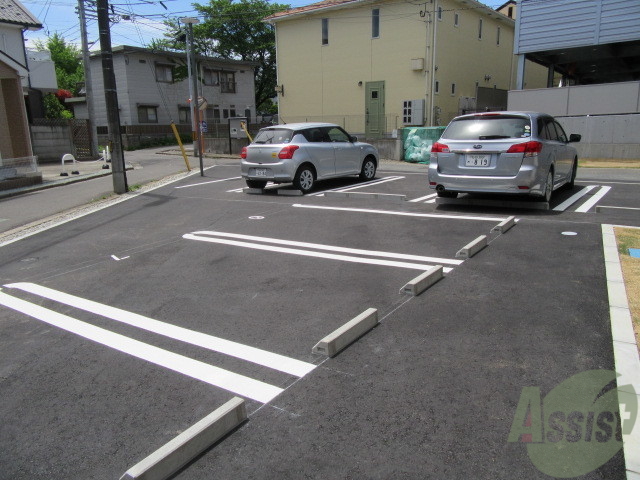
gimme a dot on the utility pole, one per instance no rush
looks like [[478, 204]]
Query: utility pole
[[193, 89], [111, 99], [88, 86]]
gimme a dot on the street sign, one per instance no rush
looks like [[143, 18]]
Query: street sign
[[202, 103], [204, 128]]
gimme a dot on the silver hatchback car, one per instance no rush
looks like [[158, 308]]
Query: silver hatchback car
[[305, 152], [503, 152]]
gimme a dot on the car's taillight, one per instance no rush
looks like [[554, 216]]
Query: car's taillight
[[439, 147], [528, 148], [243, 152], [287, 152]]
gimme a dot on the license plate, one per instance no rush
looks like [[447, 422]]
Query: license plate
[[475, 160], [261, 172]]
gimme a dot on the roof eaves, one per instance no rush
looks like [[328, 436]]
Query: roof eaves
[[14, 13], [311, 9]]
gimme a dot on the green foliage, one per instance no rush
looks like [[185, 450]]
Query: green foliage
[[233, 30], [66, 57], [54, 109]]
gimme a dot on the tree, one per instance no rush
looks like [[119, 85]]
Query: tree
[[66, 57], [234, 30]]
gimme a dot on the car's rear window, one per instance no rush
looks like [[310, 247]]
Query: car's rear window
[[274, 135], [485, 127]]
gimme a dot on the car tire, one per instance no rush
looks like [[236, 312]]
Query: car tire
[[548, 187], [447, 194], [574, 171], [256, 183], [304, 178], [368, 171]]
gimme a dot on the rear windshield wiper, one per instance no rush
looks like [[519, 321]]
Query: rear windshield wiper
[[492, 137]]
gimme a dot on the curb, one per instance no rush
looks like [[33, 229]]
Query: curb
[[472, 248], [419, 284], [342, 337], [175, 454], [625, 348]]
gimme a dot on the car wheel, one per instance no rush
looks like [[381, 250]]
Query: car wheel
[[368, 171], [548, 188], [574, 171], [256, 183], [304, 179], [447, 194]]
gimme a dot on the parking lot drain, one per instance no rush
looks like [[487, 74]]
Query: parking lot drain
[[169, 458], [419, 284], [505, 225], [472, 248], [339, 339]]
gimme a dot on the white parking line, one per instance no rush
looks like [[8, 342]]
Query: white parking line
[[206, 183], [360, 185], [593, 200], [574, 198], [232, 382], [203, 237], [403, 214], [227, 347], [333, 248], [426, 197]]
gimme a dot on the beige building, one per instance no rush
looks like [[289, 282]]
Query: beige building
[[377, 66]]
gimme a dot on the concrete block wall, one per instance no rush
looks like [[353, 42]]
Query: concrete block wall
[[51, 142], [605, 136]]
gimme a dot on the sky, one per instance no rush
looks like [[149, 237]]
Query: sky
[[145, 21]]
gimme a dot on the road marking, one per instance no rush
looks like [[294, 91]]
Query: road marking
[[227, 347], [310, 253], [574, 198], [360, 185], [118, 259], [233, 382], [619, 208], [593, 200], [403, 214], [617, 183], [206, 183], [419, 199], [333, 248]]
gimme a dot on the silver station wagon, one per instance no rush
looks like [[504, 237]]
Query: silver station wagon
[[305, 152], [524, 153]]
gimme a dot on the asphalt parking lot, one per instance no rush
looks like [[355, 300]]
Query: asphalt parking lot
[[429, 393]]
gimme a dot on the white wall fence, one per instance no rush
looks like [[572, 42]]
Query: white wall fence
[[607, 116]]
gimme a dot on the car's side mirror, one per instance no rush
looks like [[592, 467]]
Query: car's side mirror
[[574, 137], [353, 138]]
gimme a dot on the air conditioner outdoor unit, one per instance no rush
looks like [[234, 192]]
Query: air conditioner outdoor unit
[[413, 112]]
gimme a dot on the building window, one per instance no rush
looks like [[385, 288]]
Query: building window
[[456, 19], [439, 13], [210, 77], [228, 82], [375, 23], [325, 31], [184, 115], [480, 30], [498, 37], [147, 114], [437, 87], [510, 14], [164, 73], [232, 111], [453, 89]]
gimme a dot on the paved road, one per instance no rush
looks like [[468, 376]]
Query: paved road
[[88, 391]]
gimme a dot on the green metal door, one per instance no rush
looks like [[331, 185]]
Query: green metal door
[[374, 110]]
